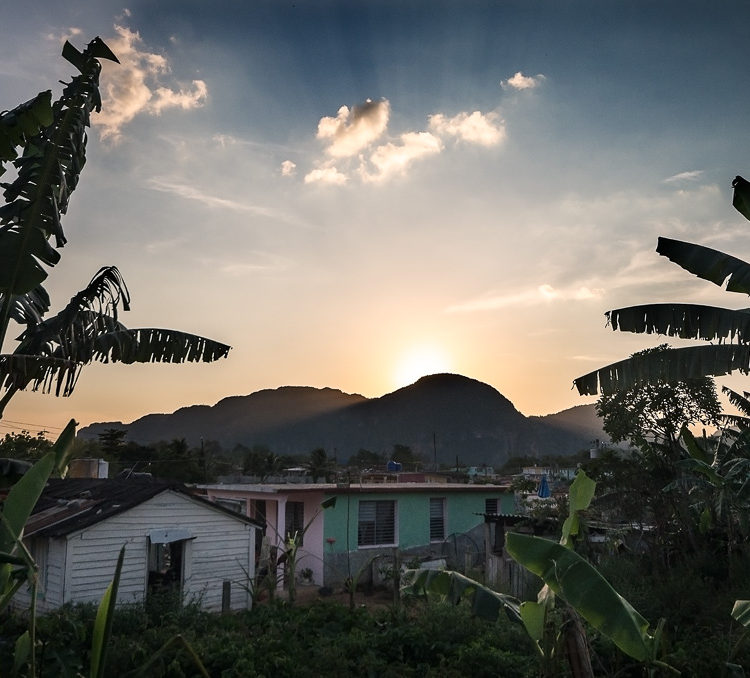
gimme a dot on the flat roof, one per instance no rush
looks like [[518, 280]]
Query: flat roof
[[354, 488]]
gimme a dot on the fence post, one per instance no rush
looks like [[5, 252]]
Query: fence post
[[226, 596]]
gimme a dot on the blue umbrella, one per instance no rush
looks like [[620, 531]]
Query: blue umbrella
[[543, 490]]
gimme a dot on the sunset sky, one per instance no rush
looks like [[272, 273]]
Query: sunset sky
[[355, 193]]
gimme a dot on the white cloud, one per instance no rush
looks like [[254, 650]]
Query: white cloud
[[521, 81], [476, 128], [288, 168], [683, 176], [542, 294], [325, 175], [134, 86], [191, 193], [392, 159], [353, 130]]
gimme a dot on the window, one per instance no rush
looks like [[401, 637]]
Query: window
[[437, 519], [490, 506], [377, 523], [232, 504], [294, 520]]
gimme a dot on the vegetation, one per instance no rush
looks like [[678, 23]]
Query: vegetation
[[730, 329], [51, 351], [296, 642]]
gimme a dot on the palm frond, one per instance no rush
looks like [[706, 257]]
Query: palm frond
[[29, 309], [741, 196], [671, 365], [48, 374], [687, 321], [709, 264], [47, 173], [23, 122], [90, 312], [148, 345]]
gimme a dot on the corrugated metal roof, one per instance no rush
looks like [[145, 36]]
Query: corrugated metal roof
[[75, 503]]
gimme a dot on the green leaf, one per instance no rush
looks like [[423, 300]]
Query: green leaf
[[582, 586], [63, 447], [534, 618], [21, 500], [741, 612], [693, 448], [21, 653], [581, 493], [102, 631], [455, 587]]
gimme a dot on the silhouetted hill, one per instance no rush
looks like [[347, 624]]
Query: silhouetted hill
[[447, 414]]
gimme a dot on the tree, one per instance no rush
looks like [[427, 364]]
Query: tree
[[111, 441], [51, 352], [656, 412], [319, 465], [260, 461], [24, 446], [729, 328]]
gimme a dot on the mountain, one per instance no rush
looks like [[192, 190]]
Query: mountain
[[443, 416]]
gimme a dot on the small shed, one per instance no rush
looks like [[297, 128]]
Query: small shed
[[174, 539]]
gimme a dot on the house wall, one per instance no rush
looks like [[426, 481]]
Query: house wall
[[463, 514], [222, 549], [311, 553]]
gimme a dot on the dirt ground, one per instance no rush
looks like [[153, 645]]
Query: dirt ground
[[306, 595]]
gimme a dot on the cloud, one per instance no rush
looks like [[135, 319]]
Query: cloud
[[212, 201], [288, 168], [325, 175], [135, 86], [521, 81], [393, 159], [475, 128], [354, 129], [683, 176], [542, 294]]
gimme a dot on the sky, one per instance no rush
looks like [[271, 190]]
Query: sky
[[355, 193]]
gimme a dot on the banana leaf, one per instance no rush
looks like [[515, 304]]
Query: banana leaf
[[668, 366], [741, 197], [686, 321], [582, 586], [708, 264], [455, 587]]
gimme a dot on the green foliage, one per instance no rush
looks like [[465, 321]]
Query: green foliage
[[259, 461], [24, 446], [433, 640], [657, 411]]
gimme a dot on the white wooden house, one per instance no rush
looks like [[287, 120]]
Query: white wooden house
[[172, 538]]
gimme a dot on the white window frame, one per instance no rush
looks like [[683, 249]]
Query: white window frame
[[376, 543]]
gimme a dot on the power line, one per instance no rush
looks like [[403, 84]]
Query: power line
[[6, 422]]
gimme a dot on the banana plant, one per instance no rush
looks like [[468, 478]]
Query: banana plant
[[51, 352], [728, 329], [585, 591]]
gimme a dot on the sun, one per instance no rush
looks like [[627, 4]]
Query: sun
[[419, 362]]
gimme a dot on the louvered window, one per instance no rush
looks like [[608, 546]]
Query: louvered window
[[437, 519], [490, 506], [377, 523]]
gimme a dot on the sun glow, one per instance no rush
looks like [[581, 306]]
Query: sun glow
[[419, 362]]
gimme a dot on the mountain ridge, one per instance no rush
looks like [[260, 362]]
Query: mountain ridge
[[447, 416]]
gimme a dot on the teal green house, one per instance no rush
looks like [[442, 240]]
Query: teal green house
[[421, 520]]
